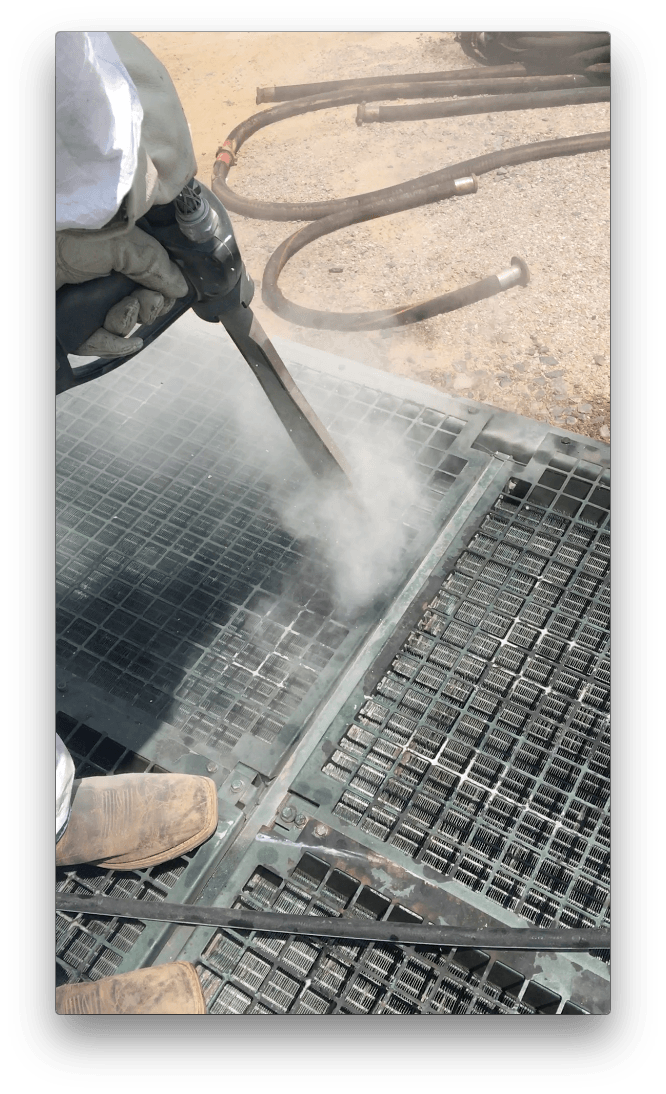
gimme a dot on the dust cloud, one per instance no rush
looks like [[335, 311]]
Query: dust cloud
[[366, 541]]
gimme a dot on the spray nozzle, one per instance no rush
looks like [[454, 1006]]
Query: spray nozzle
[[194, 216]]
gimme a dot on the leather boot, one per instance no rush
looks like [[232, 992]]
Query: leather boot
[[129, 821], [162, 989]]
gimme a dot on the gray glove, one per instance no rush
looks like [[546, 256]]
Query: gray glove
[[166, 163], [85, 255]]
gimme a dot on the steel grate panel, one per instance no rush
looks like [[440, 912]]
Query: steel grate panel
[[177, 588], [255, 972], [476, 762], [496, 707]]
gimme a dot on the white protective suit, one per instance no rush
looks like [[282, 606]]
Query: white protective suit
[[122, 146]]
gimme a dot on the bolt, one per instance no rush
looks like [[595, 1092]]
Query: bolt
[[288, 813], [236, 783], [321, 830], [211, 767], [301, 819]]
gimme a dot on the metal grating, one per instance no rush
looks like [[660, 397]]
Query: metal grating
[[257, 973], [483, 753], [178, 590], [465, 776]]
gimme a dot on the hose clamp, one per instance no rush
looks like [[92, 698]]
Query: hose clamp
[[227, 150]]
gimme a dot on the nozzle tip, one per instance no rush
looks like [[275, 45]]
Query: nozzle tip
[[524, 269]]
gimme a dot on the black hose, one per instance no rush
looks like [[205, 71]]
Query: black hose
[[343, 928], [483, 104], [342, 212], [546, 51], [298, 91], [462, 82]]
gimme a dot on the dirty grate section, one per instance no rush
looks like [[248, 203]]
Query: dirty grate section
[[88, 948], [259, 973], [178, 590], [484, 752]]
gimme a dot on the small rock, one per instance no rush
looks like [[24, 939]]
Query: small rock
[[584, 408], [506, 382], [502, 171], [549, 360], [335, 269], [555, 373], [604, 432], [520, 366], [557, 411], [600, 359], [507, 338], [571, 421], [462, 382]]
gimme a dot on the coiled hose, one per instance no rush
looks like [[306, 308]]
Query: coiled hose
[[540, 51], [331, 216]]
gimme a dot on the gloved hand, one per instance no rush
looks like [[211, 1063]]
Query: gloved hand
[[166, 162], [85, 255]]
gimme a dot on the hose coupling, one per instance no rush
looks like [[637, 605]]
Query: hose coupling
[[227, 153], [366, 113], [467, 185], [517, 274]]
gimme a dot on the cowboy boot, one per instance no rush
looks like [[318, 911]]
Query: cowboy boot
[[161, 989], [125, 822]]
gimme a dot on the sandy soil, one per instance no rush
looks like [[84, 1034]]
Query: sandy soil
[[542, 351]]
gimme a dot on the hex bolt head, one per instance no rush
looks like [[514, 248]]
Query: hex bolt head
[[301, 819], [211, 767], [288, 813], [321, 830], [236, 783]]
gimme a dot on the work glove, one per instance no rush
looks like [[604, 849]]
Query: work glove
[[85, 255], [166, 163]]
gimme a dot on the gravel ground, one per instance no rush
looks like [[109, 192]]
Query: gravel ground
[[542, 351]]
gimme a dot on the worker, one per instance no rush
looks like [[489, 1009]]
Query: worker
[[122, 146]]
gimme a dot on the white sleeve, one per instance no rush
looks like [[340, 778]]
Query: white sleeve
[[98, 130]]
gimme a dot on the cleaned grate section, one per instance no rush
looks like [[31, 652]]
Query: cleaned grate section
[[258, 973], [88, 948], [484, 752], [178, 590]]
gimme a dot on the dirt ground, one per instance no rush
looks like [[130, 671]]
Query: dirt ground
[[543, 350]]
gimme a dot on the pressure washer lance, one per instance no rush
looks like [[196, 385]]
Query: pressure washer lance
[[541, 939], [196, 232]]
